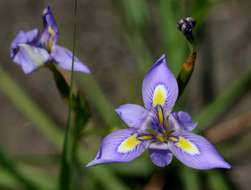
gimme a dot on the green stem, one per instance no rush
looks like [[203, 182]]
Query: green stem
[[67, 165], [186, 72]]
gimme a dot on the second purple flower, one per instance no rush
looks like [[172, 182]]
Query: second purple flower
[[34, 49]]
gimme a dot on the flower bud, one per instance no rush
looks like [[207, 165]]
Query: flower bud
[[186, 26]]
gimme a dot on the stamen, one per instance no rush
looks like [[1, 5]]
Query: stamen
[[174, 139], [145, 137], [160, 115]]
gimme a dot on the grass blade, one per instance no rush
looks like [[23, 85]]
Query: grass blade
[[233, 93], [27, 107]]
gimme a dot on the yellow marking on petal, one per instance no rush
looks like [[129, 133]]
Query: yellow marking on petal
[[187, 146], [159, 95], [129, 144]]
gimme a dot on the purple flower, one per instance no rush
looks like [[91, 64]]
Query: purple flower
[[156, 128], [33, 49]]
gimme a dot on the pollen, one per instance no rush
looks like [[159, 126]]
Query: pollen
[[187, 146], [129, 144], [159, 95]]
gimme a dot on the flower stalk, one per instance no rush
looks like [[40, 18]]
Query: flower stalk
[[67, 165], [186, 27]]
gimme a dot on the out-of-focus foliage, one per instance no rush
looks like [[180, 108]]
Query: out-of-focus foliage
[[148, 29]]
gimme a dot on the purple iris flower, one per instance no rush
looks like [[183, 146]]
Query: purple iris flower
[[156, 128], [33, 49]]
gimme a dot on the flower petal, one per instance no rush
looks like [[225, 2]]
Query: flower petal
[[30, 57], [160, 158], [182, 120], [50, 34], [133, 115], [119, 146], [49, 20], [196, 152], [23, 38], [159, 86], [63, 57]]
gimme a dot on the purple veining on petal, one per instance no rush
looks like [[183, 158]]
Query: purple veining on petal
[[206, 157], [133, 115], [160, 74], [108, 152], [182, 120], [160, 158], [63, 57]]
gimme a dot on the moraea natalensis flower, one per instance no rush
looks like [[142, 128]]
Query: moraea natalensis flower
[[156, 128], [33, 49]]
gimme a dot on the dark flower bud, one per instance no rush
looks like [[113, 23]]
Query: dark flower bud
[[186, 26]]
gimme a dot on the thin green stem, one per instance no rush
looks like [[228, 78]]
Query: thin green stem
[[67, 166]]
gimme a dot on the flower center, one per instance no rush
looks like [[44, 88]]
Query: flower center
[[164, 130], [160, 130]]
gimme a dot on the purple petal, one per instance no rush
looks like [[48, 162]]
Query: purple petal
[[23, 38], [64, 59], [30, 57], [49, 20], [182, 120], [49, 36], [196, 152], [160, 86], [133, 115], [113, 148], [160, 158]]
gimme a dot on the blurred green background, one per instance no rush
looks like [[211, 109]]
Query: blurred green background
[[119, 40]]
